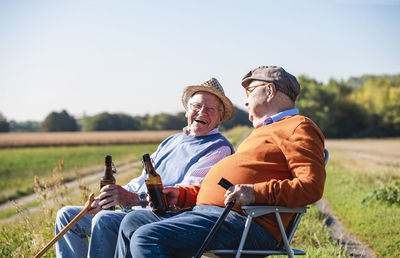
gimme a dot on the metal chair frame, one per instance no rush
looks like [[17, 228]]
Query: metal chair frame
[[255, 211], [287, 234]]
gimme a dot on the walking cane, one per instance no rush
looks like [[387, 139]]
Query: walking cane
[[68, 227], [225, 184]]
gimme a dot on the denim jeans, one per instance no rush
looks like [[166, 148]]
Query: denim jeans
[[144, 234], [102, 229]]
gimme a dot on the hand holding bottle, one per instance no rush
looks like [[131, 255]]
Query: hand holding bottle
[[154, 187]]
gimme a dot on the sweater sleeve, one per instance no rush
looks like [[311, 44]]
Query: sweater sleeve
[[304, 152], [188, 195]]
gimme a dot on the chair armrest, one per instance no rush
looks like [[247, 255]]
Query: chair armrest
[[256, 211]]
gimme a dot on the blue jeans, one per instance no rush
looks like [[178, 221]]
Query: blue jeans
[[102, 229], [144, 234]]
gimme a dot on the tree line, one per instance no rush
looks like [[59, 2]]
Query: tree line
[[63, 121], [366, 106]]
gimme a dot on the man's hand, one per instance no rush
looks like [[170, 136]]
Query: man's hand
[[172, 194], [111, 195], [244, 195], [94, 208]]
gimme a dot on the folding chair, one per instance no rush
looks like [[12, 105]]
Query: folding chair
[[287, 234]]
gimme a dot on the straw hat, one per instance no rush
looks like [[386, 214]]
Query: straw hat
[[211, 86]]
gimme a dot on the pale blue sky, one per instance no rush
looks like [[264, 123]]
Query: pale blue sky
[[135, 57]]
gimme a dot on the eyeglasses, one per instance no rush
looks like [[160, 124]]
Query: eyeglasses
[[198, 106], [248, 91]]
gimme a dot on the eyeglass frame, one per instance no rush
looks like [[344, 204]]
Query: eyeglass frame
[[206, 108], [255, 86]]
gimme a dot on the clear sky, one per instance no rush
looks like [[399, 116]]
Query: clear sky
[[136, 57]]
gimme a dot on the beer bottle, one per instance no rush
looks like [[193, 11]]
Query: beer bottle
[[108, 177], [154, 187]]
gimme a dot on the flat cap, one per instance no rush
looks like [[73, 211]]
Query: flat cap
[[284, 81]]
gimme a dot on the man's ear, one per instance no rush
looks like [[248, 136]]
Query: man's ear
[[270, 91]]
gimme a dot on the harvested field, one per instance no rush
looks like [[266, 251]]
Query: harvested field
[[369, 155], [81, 138]]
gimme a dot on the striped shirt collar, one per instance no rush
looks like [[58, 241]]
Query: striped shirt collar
[[279, 116]]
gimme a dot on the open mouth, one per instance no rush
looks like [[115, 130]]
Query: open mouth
[[201, 121]]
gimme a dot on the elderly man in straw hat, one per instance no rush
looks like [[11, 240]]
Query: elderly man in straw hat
[[182, 159], [280, 163]]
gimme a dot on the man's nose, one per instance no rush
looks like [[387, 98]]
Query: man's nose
[[203, 109]]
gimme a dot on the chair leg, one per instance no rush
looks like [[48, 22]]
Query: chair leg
[[244, 235], [284, 237]]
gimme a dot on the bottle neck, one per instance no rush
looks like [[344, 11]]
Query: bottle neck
[[150, 170], [108, 170]]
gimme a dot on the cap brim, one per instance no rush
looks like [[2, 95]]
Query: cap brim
[[247, 81]]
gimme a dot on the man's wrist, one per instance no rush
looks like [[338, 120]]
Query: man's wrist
[[142, 199]]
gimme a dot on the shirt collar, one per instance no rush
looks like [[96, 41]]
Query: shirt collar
[[213, 131], [279, 116]]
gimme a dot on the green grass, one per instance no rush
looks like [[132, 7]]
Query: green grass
[[18, 166], [35, 230], [375, 223], [314, 237], [235, 135]]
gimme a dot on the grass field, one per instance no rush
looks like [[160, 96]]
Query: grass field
[[354, 171], [18, 166], [360, 172]]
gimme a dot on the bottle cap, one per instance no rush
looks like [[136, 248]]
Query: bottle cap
[[108, 159], [146, 157]]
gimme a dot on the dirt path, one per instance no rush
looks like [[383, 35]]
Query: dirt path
[[352, 245]]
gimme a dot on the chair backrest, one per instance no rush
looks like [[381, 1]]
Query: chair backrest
[[326, 153]]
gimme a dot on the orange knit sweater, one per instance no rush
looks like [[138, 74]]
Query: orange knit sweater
[[284, 161]]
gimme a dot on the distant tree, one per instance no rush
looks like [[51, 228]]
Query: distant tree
[[241, 118], [26, 126], [4, 125], [101, 122], [110, 122], [164, 121], [380, 97], [316, 101], [126, 122], [346, 119], [56, 122]]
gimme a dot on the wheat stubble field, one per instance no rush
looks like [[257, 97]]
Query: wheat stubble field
[[27, 139], [374, 156]]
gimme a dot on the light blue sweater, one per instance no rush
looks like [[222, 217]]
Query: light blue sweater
[[176, 154]]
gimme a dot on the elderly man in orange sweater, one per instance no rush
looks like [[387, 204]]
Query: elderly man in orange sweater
[[280, 163]]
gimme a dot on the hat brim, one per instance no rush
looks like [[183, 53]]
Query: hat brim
[[228, 106]]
